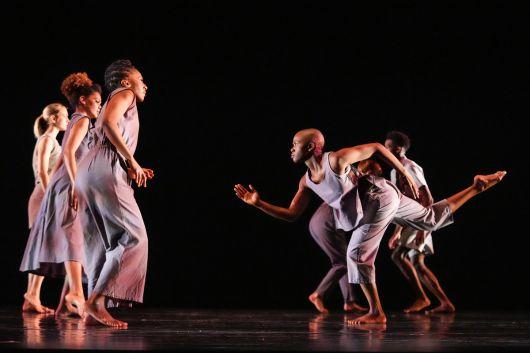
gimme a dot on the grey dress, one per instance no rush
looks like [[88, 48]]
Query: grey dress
[[36, 196], [118, 244], [57, 235]]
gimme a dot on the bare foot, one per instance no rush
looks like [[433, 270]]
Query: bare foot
[[354, 307], [101, 315], [443, 308], [75, 303], [90, 321], [418, 305], [318, 303], [379, 318], [484, 182], [32, 304]]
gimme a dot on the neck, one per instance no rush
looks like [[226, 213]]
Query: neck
[[82, 111], [52, 130], [314, 163]]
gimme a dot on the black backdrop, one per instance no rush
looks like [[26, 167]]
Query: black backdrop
[[229, 84]]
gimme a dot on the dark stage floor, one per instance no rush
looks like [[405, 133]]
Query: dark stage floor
[[185, 330]]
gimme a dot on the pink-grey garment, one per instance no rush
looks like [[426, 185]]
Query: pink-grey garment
[[334, 243], [37, 194], [57, 235], [383, 204], [34, 203], [118, 246], [340, 193], [408, 235]]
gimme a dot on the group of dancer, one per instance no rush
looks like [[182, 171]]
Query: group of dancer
[[85, 224], [360, 203]]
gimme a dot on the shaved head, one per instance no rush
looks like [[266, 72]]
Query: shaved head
[[311, 135], [307, 143]]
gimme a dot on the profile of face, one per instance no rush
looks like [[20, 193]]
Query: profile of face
[[302, 149], [92, 104], [60, 121], [393, 148], [135, 82]]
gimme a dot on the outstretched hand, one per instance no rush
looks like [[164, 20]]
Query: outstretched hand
[[250, 197]]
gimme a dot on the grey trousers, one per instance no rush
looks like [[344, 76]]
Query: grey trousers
[[334, 243], [382, 205]]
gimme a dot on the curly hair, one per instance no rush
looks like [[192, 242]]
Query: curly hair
[[116, 72], [77, 85], [399, 138]]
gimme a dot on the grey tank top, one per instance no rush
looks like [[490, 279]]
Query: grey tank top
[[340, 192], [54, 157]]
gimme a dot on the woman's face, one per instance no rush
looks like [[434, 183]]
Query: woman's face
[[92, 104], [61, 119], [135, 81]]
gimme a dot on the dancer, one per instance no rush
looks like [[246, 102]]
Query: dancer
[[410, 245], [117, 271], [46, 154], [56, 241], [368, 213]]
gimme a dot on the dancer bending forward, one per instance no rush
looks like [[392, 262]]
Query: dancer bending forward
[[366, 207]]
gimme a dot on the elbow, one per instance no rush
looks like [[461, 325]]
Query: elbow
[[378, 147]]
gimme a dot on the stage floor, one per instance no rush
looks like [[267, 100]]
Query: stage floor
[[247, 330]]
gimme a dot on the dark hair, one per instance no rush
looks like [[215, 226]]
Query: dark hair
[[399, 138], [116, 72], [76, 85]]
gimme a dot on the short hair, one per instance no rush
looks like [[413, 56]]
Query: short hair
[[399, 138], [116, 72], [76, 85]]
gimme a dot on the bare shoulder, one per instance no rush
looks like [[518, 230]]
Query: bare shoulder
[[302, 184], [125, 96]]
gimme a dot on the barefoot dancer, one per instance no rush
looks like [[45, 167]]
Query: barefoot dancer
[[47, 150], [57, 241], [367, 214], [118, 272], [411, 245]]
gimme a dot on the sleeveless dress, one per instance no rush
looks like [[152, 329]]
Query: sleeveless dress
[[57, 235], [37, 194], [118, 245]]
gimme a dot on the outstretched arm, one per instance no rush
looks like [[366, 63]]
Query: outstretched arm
[[291, 214], [341, 159]]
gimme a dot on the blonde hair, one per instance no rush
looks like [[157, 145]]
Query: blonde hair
[[43, 121]]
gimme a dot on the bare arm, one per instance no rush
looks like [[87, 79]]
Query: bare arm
[[43, 160], [115, 110], [77, 134], [296, 208], [341, 159]]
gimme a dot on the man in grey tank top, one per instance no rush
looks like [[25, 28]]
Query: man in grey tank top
[[366, 215]]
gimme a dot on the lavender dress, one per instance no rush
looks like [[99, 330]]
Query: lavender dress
[[118, 247], [36, 196], [57, 235]]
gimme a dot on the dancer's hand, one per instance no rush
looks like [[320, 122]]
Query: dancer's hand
[[412, 184], [149, 173], [420, 237], [137, 173], [72, 201], [250, 197], [393, 241]]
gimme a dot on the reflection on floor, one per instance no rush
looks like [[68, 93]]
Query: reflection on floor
[[204, 330]]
